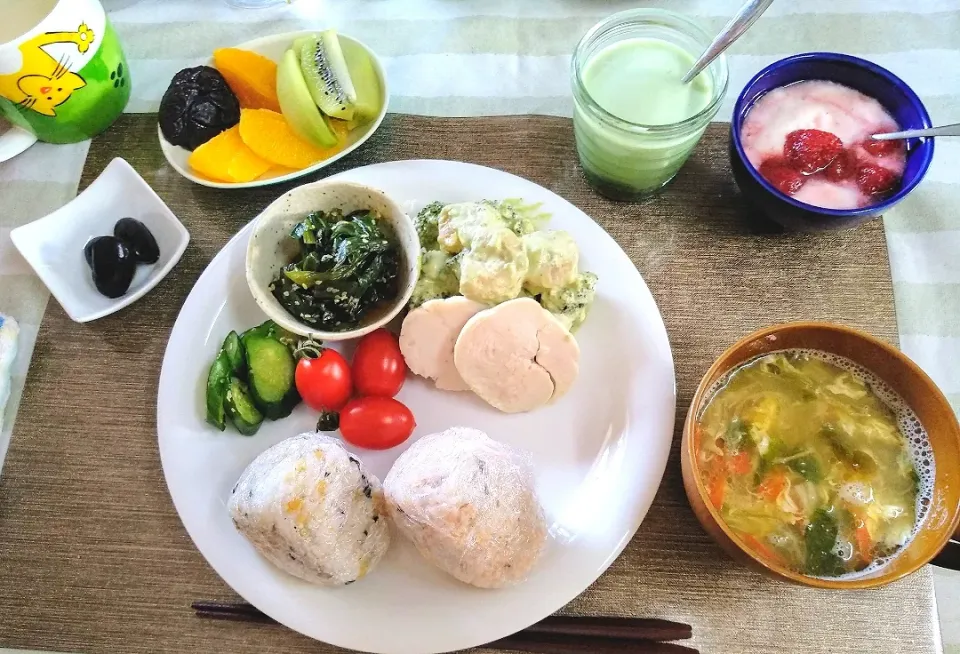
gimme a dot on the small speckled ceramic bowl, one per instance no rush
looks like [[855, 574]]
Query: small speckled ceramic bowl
[[906, 379], [853, 72], [271, 248]]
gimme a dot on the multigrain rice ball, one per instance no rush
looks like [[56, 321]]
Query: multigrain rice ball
[[468, 503], [310, 508]]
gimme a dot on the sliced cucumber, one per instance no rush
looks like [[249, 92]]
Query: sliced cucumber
[[217, 381], [270, 365], [327, 76], [240, 408], [234, 351]]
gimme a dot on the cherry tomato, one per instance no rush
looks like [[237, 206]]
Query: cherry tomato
[[378, 365], [324, 381], [376, 423]]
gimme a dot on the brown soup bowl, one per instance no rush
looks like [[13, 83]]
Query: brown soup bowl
[[933, 542]]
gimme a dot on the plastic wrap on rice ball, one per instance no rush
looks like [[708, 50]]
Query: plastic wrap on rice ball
[[310, 508], [468, 504]]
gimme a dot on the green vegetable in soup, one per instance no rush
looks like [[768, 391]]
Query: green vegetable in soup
[[807, 464], [808, 467], [736, 435], [348, 265], [821, 540]]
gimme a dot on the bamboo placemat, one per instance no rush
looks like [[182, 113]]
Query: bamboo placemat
[[93, 557]]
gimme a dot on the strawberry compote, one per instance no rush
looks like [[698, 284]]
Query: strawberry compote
[[812, 141]]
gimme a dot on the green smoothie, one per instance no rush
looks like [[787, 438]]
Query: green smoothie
[[637, 80]]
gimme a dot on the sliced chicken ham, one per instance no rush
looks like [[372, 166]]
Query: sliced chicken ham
[[428, 335], [517, 356]]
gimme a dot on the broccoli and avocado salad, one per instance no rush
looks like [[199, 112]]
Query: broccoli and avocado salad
[[494, 251], [347, 266], [571, 303], [252, 378]]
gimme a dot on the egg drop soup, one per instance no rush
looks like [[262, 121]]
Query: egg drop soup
[[813, 463]]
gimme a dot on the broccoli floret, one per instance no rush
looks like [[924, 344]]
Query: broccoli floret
[[426, 223], [571, 303], [519, 217], [438, 278]]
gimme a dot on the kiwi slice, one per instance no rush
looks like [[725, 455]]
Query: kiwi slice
[[366, 82], [327, 76], [297, 104]]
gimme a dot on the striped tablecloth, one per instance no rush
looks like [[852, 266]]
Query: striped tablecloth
[[483, 57]]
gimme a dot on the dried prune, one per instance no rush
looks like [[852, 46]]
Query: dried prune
[[197, 106]]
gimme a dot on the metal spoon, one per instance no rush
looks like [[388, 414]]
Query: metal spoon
[[945, 130], [732, 31]]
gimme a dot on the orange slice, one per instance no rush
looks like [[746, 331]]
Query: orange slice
[[269, 135], [225, 158], [247, 166], [252, 77]]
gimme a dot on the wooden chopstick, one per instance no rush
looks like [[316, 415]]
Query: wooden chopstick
[[604, 627], [553, 635], [563, 644]]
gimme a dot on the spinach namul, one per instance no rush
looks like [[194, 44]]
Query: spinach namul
[[347, 266]]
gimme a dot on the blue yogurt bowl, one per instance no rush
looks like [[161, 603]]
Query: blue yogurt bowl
[[860, 74]]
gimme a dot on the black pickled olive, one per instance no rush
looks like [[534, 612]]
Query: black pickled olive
[[143, 246], [112, 264], [88, 248]]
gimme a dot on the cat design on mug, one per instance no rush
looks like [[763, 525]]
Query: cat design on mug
[[43, 83]]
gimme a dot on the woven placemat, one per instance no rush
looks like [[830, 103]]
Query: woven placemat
[[93, 557]]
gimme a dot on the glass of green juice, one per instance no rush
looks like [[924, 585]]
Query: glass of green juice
[[635, 123]]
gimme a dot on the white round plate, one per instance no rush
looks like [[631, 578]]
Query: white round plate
[[273, 48], [599, 452]]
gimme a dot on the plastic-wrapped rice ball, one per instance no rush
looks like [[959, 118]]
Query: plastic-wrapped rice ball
[[468, 503], [311, 509]]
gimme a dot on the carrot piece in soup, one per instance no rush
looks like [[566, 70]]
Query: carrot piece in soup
[[862, 536], [772, 486], [740, 464], [717, 489]]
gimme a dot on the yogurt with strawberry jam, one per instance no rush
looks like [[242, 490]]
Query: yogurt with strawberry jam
[[811, 140]]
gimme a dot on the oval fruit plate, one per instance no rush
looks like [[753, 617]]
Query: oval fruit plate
[[599, 452], [273, 48]]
